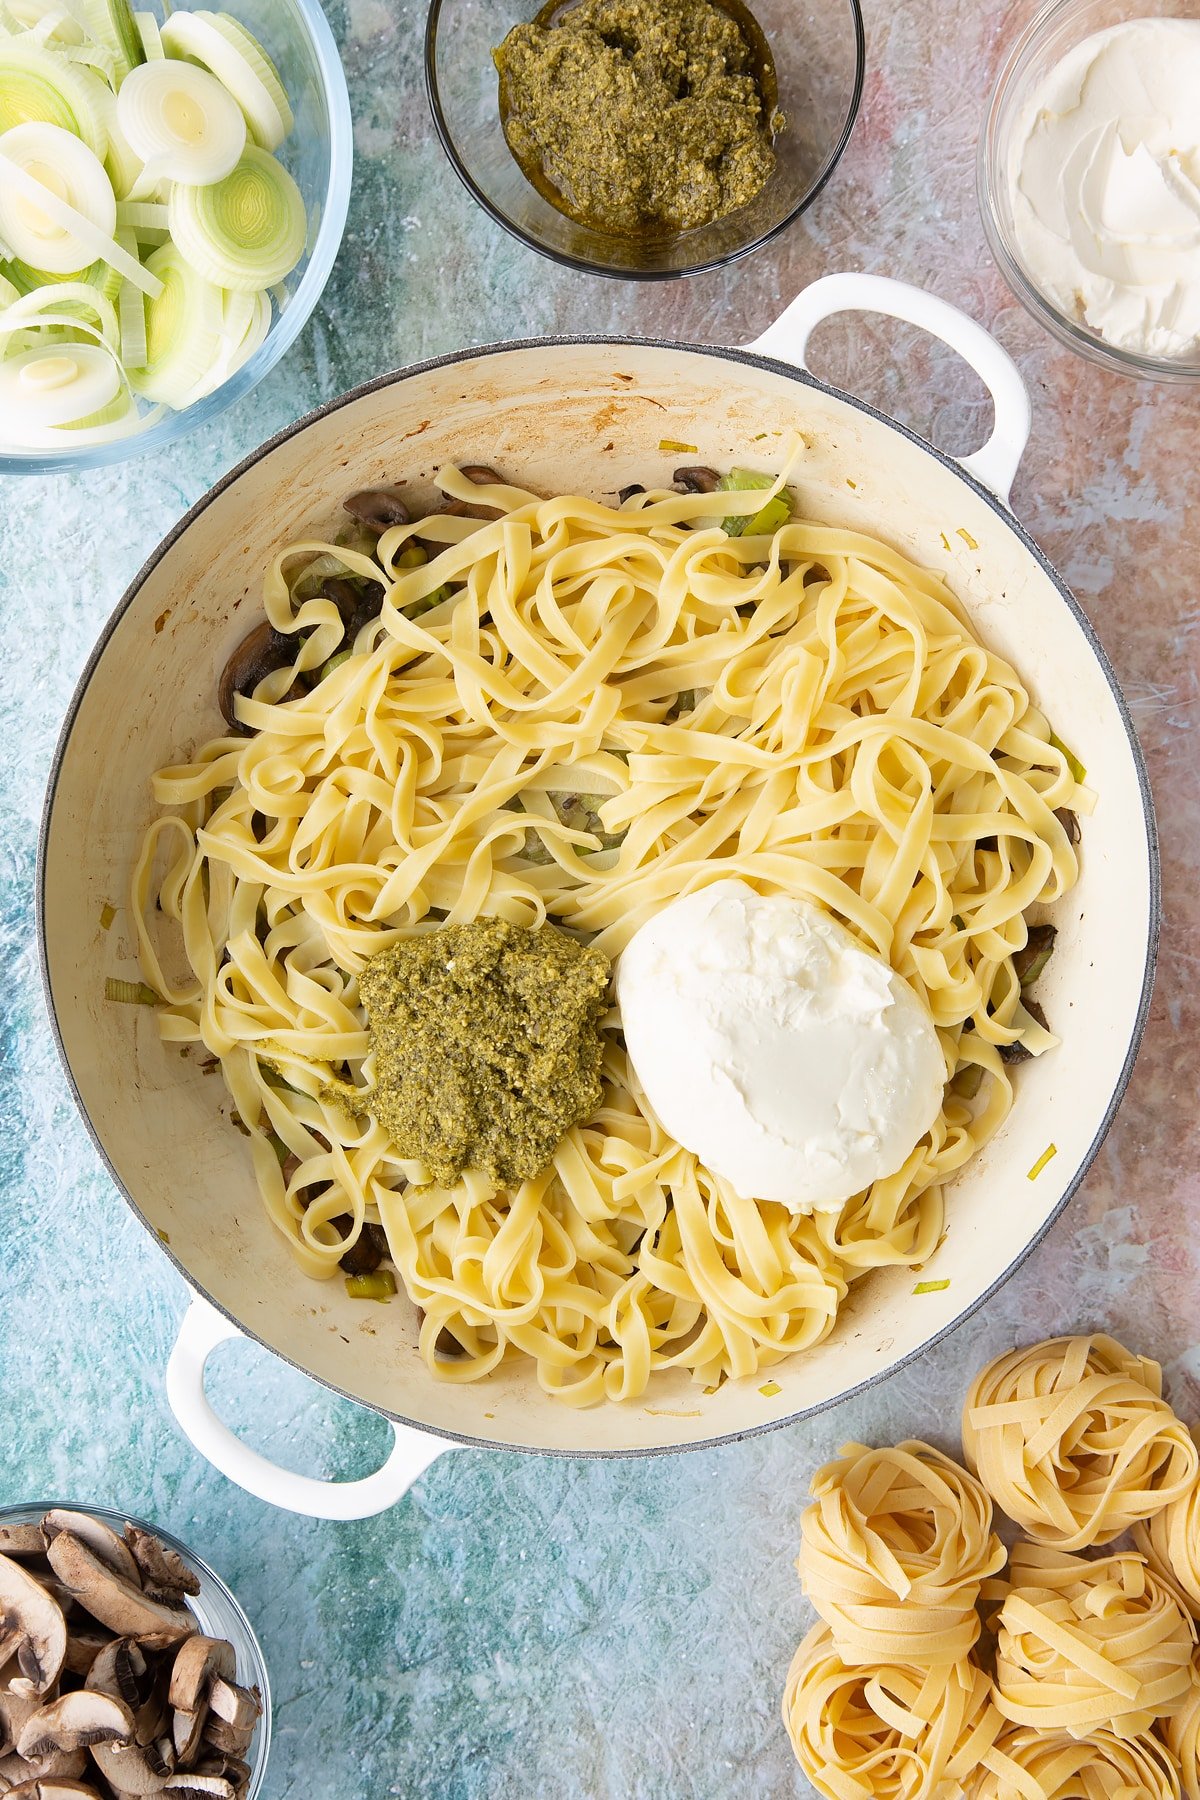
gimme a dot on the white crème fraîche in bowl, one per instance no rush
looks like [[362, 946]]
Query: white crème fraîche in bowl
[[1104, 167], [795, 1064]]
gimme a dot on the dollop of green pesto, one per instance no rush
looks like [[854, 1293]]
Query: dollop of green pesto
[[642, 117], [487, 1045]]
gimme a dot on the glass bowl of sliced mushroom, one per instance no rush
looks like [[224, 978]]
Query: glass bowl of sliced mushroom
[[126, 1665]]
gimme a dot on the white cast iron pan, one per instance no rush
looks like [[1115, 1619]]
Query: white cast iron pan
[[583, 415]]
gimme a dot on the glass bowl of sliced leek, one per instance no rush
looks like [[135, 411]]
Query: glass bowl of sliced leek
[[173, 190]]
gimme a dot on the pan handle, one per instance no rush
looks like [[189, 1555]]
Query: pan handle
[[203, 1328], [995, 465]]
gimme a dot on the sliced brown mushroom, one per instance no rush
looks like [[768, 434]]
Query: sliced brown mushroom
[[100, 1539], [231, 1767], [134, 1768], [257, 656], [14, 1710], [198, 1663], [22, 1540], [66, 1765], [75, 1722], [237, 1706], [116, 1602], [187, 1730], [231, 1740], [133, 1670], [52, 1787], [696, 480], [378, 508], [201, 1787], [84, 1644], [627, 493], [28, 1610], [165, 1575]]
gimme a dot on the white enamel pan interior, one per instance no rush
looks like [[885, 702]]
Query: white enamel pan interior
[[573, 416]]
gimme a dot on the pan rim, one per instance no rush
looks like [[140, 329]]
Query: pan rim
[[803, 378]]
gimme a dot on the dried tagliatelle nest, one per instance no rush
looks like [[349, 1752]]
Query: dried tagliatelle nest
[[108, 1687], [1081, 1644], [1084, 1681], [894, 1550], [1074, 1441], [1101, 1767]]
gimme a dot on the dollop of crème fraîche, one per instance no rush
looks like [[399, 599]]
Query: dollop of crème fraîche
[[795, 1064]]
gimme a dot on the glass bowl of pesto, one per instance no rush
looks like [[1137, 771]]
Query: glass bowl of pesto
[[615, 153]]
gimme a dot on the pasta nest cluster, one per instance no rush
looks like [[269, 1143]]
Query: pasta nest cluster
[[1085, 1684]]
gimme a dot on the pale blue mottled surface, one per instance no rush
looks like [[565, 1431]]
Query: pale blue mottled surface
[[521, 1629]]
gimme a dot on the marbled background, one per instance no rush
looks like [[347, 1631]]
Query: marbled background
[[522, 1629]]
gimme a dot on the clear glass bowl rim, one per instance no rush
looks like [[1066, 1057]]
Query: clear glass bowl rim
[[988, 182], [335, 204], [25, 1511], [586, 265]]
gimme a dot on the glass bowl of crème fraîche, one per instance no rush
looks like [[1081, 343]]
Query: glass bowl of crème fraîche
[[1089, 180]]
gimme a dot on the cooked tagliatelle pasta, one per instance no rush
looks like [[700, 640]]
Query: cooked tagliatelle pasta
[[1081, 1644], [887, 1731], [808, 711], [894, 1551], [1032, 1765], [1073, 1440]]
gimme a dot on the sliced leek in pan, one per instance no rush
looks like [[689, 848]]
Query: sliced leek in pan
[[145, 225]]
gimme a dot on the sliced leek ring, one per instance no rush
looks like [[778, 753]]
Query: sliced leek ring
[[246, 232], [38, 87], [111, 23], [246, 322], [60, 304], [235, 33], [61, 167], [194, 35], [57, 383], [182, 122], [150, 35], [16, 183], [47, 19], [100, 276], [183, 330], [8, 293], [122, 164]]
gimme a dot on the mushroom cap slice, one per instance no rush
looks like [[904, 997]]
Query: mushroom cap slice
[[22, 1540], [233, 1740], [52, 1787], [237, 1706], [132, 1768], [14, 1710], [73, 1722], [133, 1670], [187, 1729], [67, 1765], [201, 1787], [116, 1602], [100, 1539], [197, 1663], [27, 1607], [164, 1574], [84, 1645]]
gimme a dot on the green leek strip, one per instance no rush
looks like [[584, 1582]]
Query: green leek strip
[[149, 33], [131, 312], [89, 235], [768, 519], [183, 331], [123, 164], [8, 293], [380, 1285], [130, 993], [111, 23], [245, 232], [38, 86], [1078, 772], [931, 1287]]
